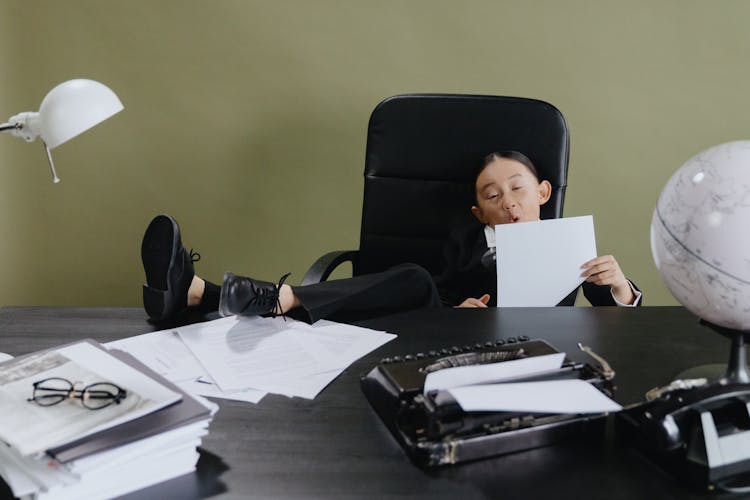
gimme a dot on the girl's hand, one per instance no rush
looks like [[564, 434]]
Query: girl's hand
[[472, 302], [605, 270]]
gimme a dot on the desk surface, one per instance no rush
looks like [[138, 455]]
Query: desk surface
[[335, 446]]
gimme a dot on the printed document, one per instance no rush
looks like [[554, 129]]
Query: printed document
[[166, 353], [539, 263], [276, 355]]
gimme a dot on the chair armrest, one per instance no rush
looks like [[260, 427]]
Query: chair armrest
[[325, 265]]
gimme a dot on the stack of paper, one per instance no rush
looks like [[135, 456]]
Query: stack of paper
[[246, 357], [70, 451]]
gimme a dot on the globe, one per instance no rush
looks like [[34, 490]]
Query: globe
[[700, 235]]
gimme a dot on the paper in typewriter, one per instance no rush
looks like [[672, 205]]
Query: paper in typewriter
[[539, 263], [552, 396], [492, 372]]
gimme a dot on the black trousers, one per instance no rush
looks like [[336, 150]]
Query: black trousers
[[402, 288]]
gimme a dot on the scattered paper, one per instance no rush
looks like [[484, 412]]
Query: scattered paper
[[204, 386], [539, 263], [276, 355], [554, 396]]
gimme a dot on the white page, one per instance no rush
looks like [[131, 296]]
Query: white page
[[307, 387], [273, 355], [346, 343], [492, 372], [164, 352], [204, 386], [539, 263], [553, 396], [254, 351]]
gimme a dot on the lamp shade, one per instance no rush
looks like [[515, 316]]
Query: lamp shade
[[74, 107]]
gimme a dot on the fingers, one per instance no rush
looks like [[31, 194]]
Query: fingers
[[601, 260], [475, 303], [608, 277], [603, 270]]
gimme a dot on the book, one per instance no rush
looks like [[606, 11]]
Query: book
[[31, 429], [188, 410]]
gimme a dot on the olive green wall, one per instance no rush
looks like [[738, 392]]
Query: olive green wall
[[246, 120]]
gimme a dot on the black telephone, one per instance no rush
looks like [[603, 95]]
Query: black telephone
[[697, 431]]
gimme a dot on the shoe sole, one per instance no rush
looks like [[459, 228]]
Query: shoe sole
[[158, 253]]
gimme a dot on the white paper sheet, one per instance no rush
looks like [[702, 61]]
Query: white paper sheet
[[166, 353], [539, 263], [204, 386], [555, 396], [274, 355], [492, 372]]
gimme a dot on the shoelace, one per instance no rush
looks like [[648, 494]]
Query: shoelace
[[194, 256], [265, 297]]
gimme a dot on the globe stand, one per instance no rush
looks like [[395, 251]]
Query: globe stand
[[735, 371]]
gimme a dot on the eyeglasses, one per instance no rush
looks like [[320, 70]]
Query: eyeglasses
[[54, 390]]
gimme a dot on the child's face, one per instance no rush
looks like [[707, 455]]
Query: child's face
[[508, 192]]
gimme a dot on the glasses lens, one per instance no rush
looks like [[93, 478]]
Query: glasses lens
[[51, 391], [99, 395]]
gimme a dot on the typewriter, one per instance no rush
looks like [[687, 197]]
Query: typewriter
[[434, 430]]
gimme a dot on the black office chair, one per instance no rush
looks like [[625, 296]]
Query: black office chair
[[422, 150]]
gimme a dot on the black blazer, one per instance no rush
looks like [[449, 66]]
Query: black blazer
[[465, 276]]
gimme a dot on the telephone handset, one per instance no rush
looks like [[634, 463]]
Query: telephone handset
[[693, 428]]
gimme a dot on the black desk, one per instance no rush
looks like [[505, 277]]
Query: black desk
[[335, 446]]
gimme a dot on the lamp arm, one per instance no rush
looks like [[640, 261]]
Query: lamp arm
[[24, 125], [9, 126]]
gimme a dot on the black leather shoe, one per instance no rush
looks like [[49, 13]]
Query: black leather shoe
[[247, 296], [169, 269]]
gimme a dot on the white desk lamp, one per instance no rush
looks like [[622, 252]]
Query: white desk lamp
[[66, 111]]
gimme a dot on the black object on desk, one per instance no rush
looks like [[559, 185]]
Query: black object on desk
[[434, 430], [696, 430]]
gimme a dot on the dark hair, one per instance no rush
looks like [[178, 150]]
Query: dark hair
[[511, 155]]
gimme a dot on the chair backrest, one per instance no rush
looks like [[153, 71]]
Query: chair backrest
[[422, 150]]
